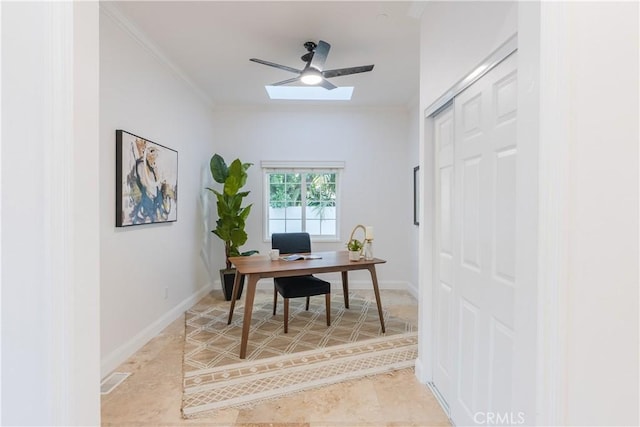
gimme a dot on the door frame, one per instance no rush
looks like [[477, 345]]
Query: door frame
[[428, 299], [543, 99]]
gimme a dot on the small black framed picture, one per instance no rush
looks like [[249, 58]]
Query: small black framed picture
[[416, 195]]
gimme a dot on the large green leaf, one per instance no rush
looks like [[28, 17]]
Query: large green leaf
[[231, 185], [238, 237], [239, 173], [219, 169], [233, 203], [245, 212]]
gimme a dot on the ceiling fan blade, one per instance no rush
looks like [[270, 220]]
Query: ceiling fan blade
[[346, 71], [284, 82], [327, 84], [273, 64], [320, 55]]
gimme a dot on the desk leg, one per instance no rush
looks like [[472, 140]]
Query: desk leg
[[345, 288], [234, 295], [248, 309], [374, 279]]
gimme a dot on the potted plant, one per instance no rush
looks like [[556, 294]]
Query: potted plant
[[232, 216], [355, 247]]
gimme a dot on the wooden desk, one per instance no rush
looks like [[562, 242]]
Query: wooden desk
[[258, 266]]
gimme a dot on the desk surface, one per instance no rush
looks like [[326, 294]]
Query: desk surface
[[258, 266], [265, 267]]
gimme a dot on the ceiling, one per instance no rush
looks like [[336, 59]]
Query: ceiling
[[211, 43]]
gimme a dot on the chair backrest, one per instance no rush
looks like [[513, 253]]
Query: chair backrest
[[291, 243]]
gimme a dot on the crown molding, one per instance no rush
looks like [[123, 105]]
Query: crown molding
[[110, 10]]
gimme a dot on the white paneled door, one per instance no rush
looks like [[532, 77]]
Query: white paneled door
[[476, 287], [444, 288]]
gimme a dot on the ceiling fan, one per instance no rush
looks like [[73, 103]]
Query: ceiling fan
[[314, 72]]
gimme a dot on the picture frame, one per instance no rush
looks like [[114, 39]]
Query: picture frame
[[416, 195], [146, 181]]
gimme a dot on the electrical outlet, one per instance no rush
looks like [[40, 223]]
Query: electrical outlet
[[166, 293]]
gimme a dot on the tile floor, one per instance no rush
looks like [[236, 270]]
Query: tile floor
[[152, 395]]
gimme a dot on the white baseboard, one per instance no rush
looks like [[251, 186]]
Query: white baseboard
[[421, 373], [366, 284], [353, 284], [119, 355], [413, 290]]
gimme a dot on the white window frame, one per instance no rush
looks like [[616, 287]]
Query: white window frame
[[269, 167]]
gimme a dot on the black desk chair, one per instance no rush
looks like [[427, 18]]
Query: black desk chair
[[297, 286]]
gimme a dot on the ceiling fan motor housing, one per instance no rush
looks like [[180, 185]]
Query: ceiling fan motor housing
[[310, 46]]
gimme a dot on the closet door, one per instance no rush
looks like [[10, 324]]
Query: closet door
[[443, 133], [484, 249]]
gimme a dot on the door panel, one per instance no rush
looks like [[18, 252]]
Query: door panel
[[445, 304], [488, 196], [471, 116], [443, 301], [446, 210], [476, 227], [470, 210], [467, 390], [500, 367], [505, 219]]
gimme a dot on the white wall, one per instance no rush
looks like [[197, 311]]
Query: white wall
[[50, 249], [602, 310], [140, 94], [455, 37], [27, 346], [413, 160], [376, 186]]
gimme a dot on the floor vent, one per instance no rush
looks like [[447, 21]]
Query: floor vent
[[112, 381]]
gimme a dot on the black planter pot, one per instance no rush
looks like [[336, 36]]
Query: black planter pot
[[227, 276]]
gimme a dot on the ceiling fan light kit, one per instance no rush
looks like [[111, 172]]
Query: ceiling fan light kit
[[311, 77], [313, 72]]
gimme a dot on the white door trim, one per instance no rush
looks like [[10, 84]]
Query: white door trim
[[51, 314], [59, 170], [496, 57], [553, 210]]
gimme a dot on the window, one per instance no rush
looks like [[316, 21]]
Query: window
[[302, 198]]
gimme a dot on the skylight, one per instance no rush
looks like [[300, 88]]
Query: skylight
[[309, 93]]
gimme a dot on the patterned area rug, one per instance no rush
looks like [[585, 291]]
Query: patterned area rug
[[310, 355]]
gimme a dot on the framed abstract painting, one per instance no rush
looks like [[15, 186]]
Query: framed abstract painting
[[146, 181]]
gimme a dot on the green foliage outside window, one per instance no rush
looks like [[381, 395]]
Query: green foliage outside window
[[285, 189], [321, 192], [312, 192]]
